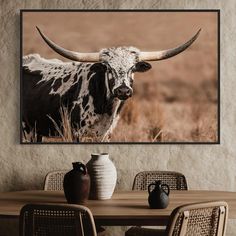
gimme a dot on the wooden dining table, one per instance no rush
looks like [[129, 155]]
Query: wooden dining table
[[124, 208]]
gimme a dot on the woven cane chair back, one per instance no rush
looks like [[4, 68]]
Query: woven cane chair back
[[175, 180], [56, 220], [54, 180], [200, 219]]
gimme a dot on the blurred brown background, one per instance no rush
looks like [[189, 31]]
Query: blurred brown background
[[177, 99]]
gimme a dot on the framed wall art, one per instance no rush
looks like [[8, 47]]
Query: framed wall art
[[120, 76]]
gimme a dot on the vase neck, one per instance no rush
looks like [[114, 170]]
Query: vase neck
[[100, 156]]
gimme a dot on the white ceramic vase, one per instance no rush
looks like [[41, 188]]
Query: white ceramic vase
[[103, 176]]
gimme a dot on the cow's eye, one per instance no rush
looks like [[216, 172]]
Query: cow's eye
[[121, 73], [142, 66]]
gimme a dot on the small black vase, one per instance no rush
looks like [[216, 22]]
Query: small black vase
[[158, 197], [76, 184]]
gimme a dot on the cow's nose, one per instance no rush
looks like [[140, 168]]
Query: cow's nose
[[123, 92]]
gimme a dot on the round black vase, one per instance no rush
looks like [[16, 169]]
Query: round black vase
[[159, 197]]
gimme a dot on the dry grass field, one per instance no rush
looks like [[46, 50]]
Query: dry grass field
[[176, 101]]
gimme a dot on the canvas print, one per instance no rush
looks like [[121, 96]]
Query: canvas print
[[119, 76]]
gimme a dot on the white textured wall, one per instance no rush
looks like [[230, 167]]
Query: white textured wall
[[24, 166]]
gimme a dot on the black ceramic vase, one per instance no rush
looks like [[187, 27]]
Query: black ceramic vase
[[158, 197], [76, 184]]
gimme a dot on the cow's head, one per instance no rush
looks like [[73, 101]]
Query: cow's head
[[120, 63]]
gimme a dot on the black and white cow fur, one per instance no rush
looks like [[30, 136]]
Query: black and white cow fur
[[93, 93]]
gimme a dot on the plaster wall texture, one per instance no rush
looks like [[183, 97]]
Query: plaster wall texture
[[205, 166]]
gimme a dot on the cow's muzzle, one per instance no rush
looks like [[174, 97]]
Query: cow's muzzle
[[123, 92]]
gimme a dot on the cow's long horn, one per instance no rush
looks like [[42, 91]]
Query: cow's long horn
[[161, 55], [75, 56]]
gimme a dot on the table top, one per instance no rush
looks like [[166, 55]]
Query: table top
[[124, 208]]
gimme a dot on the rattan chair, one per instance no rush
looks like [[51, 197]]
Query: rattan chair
[[175, 180], [54, 180], [199, 219], [56, 220]]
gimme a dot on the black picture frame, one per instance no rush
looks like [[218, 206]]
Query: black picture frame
[[217, 11]]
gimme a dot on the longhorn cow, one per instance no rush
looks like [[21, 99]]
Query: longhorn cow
[[93, 87]]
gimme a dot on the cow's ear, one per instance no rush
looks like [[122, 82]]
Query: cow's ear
[[96, 67], [142, 66]]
